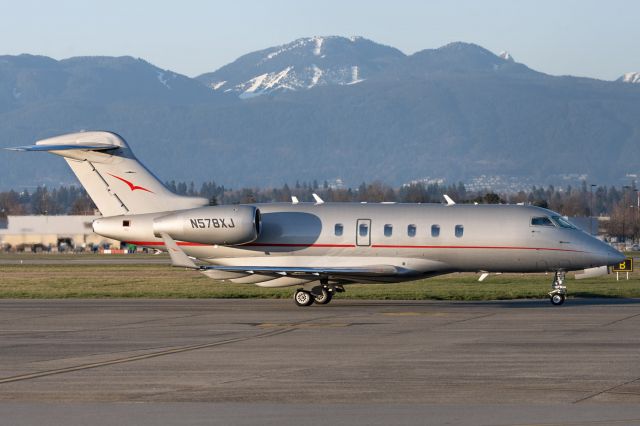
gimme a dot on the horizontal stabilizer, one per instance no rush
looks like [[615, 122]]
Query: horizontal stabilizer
[[85, 147], [112, 176]]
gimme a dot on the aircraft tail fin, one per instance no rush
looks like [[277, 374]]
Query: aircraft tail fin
[[114, 178]]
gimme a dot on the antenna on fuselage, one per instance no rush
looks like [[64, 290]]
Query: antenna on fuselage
[[450, 202], [317, 198]]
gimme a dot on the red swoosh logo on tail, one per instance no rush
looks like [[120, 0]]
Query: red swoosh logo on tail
[[131, 185]]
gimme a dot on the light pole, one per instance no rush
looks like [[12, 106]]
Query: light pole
[[624, 213], [635, 225], [591, 210]]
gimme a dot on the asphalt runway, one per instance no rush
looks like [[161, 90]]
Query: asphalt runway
[[107, 362]]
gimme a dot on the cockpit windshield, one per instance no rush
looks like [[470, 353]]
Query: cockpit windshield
[[557, 221], [562, 222], [541, 221]]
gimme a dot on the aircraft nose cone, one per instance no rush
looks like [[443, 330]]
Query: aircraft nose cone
[[603, 254], [615, 257], [611, 256]]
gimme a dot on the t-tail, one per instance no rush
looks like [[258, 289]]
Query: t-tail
[[114, 178]]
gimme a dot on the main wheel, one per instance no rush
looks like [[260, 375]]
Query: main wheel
[[557, 299], [303, 298], [323, 298]]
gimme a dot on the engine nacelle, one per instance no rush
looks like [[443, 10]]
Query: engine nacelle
[[224, 225]]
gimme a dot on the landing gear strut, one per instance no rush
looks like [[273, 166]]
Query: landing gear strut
[[558, 292]]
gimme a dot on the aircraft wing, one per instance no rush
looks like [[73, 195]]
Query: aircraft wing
[[180, 259], [309, 272]]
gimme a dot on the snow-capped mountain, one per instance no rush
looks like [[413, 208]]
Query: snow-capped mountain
[[630, 77], [455, 111], [302, 64]]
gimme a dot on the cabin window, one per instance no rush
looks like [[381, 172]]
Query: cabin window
[[411, 230], [435, 230], [541, 221], [363, 229], [459, 231], [388, 230], [126, 223], [339, 229]]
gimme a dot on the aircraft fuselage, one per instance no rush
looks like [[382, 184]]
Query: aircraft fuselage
[[421, 239]]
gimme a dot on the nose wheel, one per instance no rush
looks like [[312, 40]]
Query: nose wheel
[[557, 299], [558, 293]]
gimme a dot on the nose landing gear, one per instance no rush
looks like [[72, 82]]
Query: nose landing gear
[[558, 292]]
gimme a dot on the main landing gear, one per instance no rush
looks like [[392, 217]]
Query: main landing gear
[[558, 292], [320, 294], [303, 298]]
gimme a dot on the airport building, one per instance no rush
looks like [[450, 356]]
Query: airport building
[[51, 233]]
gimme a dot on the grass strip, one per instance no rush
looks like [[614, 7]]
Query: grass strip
[[159, 281]]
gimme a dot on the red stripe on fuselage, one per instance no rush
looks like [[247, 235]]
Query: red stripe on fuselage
[[184, 243], [298, 245]]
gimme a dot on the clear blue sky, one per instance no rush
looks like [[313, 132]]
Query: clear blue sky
[[586, 38]]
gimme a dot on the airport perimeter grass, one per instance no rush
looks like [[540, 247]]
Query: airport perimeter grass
[[159, 281]]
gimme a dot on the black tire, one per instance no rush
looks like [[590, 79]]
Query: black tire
[[557, 299], [323, 298], [303, 298]]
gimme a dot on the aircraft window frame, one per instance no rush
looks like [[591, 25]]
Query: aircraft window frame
[[388, 230], [547, 221], [435, 231], [338, 230], [459, 231], [411, 230], [363, 226]]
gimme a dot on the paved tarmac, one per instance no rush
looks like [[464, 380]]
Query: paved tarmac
[[80, 260], [351, 362]]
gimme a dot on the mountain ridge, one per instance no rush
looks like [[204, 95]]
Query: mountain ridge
[[455, 113]]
